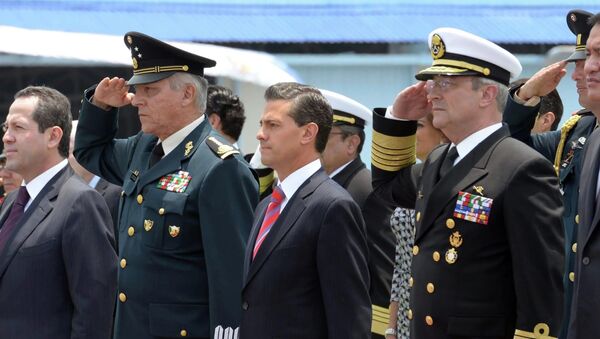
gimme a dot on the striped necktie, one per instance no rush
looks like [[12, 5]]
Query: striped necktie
[[270, 218]]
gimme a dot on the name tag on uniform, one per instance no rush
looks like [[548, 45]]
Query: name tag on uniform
[[175, 182], [472, 207]]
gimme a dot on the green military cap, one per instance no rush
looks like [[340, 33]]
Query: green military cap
[[154, 60], [577, 20]]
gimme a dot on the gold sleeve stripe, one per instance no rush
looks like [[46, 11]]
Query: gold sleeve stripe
[[386, 150], [394, 164], [391, 142], [540, 331], [381, 318]]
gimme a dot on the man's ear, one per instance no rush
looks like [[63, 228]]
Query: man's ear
[[55, 133], [549, 118], [189, 95], [215, 121], [310, 133], [352, 143], [488, 96]]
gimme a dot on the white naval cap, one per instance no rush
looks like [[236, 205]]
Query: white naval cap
[[456, 52], [347, 111]]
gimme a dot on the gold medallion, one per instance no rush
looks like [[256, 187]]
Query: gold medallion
[[456, 239], [451, 256], [135, 64], [148, 224]]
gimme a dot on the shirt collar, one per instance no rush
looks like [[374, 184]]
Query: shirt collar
[[172, 141], [469, 143], [339, 169], [35, 186], [290, 185]]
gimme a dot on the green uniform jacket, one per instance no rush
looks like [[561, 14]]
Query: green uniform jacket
[[520, 120], [183, 227]]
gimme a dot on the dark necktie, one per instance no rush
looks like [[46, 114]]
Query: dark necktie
[[157, 153], [448, 161], [16, 212]]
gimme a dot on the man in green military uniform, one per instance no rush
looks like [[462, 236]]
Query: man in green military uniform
[[564, 148], [187, 200]]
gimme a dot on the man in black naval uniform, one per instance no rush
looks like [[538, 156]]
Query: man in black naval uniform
[[488, 259], [564, 147], [187, 201], [341, 160]]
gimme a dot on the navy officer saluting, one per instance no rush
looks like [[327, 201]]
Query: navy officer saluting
[[488, 259], [187, 202]]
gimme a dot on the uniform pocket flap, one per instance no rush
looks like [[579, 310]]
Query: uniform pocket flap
[[477, 326], [171, 202], [171, 320]]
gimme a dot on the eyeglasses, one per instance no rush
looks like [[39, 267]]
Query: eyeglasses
[[444, 84]]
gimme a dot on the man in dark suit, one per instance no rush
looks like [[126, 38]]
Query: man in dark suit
[[188, 197], [488, 259], [58, 273], [563, 147], [341, 161], [305, 272], [586, 293]]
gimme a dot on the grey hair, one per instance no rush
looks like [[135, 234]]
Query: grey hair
[[177, 80], [502, 95]]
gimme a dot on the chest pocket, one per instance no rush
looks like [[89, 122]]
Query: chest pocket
[[163, 219]]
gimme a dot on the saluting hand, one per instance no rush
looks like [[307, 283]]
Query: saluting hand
[[544, 81], [112, 93], [412, 103]]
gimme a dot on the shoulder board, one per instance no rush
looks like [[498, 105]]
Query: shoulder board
[[222, 150], [584, 112]]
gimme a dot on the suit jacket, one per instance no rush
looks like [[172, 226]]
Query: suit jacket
[[520, 120], [586, 294], [488, 235], [58, 271], [310, 277], [356, 179], [111, 194], [182, 231]]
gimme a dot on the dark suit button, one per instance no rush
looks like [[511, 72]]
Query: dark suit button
[[245, 306], [586, 260]]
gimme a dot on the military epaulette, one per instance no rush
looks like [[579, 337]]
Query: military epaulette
[[564, 131], [222, 150]]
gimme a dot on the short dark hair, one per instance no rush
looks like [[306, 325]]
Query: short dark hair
[[348, 130], [594, 19], [52, 109], [222, 102], [551, 102], [308, 105]]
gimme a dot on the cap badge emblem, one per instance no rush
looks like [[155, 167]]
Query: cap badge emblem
[[573, 17], [437, 47], [135, 63]]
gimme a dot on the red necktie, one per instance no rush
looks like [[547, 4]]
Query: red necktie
[[16, 212], [270, 217]]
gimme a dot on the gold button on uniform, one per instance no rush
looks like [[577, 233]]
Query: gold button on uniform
[[436, 256], [122, 297], [574, 247], [409, 314], [161, 211], [415, 250], [131, 231], [430, 288], [410, 282], [577, 219], [450, 223], [140, 199], [418, 216], [123, 263], [183, 333], [429, 320], [572, 276]]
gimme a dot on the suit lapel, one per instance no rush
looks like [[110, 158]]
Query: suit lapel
[[343, 178], [589, 180], [467, 171], [33, 216], [173, 161], [294, 208]]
